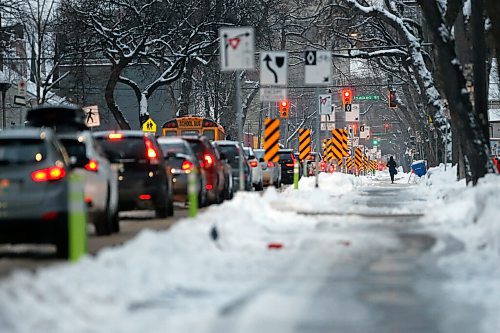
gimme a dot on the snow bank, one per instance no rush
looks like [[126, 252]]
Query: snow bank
[[470, 214]]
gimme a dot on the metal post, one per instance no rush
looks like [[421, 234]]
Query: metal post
[[239, 122], [260, 125], [318, 143], [4, 116], [296, 174], [446, 148]]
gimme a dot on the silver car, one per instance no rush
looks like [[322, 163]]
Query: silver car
[[271, 171], [100, 179], [34, 186], [256, 168]]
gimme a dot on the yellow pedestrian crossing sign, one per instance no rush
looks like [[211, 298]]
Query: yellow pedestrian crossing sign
[[149, 126]]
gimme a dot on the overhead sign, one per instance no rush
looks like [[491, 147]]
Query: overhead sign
[[325, 104], [149, 126], [274, 68], [92, 116], [353, 115], [318, 67], [21, 88], [237, 48], [272, 94]]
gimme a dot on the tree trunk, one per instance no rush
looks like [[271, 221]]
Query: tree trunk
[[110, 98], [473, 143], [186, 87]]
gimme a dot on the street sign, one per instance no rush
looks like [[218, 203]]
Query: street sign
[[353, 115], [367, 98], [325, 104], [21, 88], [237, 48], [318, 67], [273, 68], [92, 116], [19, 100], [326, 118], [364, 132], [271, 139], [272, 94], [327, 126], [149, 126]]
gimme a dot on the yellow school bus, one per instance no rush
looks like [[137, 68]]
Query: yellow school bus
[[193, 126]]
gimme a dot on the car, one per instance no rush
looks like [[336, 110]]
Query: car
[[210, 161], [143, 179], [181, 161], [286, 161], [100, 180], [233, 151], [256, 168], [271, 171], [34, 188], [228, 174]]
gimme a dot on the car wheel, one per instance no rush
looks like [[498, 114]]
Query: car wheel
[[104, 222], [115, 222], [170, 206], [62, 242], [161, 206], [260, 186]]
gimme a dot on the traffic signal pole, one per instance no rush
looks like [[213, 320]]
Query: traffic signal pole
[[239, 122]]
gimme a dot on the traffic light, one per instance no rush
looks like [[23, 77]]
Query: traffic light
[[346, 99], [375, 142], [284, 108], [386, 127], [392, 99]]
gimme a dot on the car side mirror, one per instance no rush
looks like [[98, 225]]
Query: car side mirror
[[261, 159], [251, 157], [223, 156]]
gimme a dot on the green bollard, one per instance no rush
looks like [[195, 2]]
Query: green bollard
[[192, 194], [77, 224], [296, 175]]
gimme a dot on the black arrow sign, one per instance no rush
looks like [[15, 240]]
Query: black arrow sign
[[268, 59]]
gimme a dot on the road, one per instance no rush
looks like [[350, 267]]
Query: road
[[395, 289], [35, 256]]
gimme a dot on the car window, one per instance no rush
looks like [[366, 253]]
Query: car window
[[74, 147], [197, 148], [124, 149], [231, 153], [174, 148], [259, 154], [22, 151], [285, 157]]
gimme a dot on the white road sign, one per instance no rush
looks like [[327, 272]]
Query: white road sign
[[274, 68], [326, 118], [327, 126], [237, 48], [92, 116], [364, 132], [272, 94], [353, 115], [318, 67], [325, 104]]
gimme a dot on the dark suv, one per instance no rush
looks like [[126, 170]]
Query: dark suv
[[210, 161], [143, 180], [287, 159]]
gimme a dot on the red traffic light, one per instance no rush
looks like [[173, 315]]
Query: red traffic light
[[346, 96], [347, 93], [284, 104]]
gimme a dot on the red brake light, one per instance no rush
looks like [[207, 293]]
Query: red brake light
[[145, 197], [270, 164], [48, 174], [289, 164], [187, 166], [151, 152], [92, 165], [209, 187], [209, 161], [254, 164], [115, 136]]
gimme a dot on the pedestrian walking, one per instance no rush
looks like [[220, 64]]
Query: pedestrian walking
[[391, 164]]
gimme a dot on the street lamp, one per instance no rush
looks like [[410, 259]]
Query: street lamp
[[4, 86]]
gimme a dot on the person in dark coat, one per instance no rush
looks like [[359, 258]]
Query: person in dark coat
[[391, 164]]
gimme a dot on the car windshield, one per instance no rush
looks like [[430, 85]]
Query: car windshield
[[174, 148], [285, 156], [74, 147], [259, 154], [231, 153], [123, 149], [22, 151]]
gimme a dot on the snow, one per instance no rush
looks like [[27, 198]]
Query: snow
[[179, 280]]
